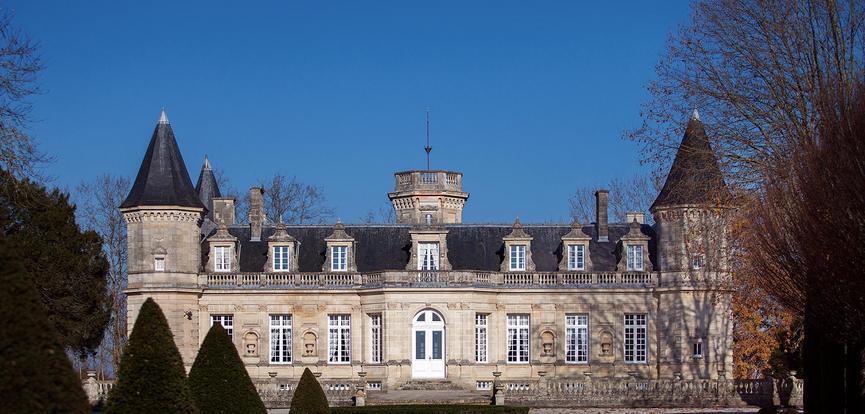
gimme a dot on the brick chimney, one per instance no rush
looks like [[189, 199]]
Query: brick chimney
[[256, 212], [601, 207]]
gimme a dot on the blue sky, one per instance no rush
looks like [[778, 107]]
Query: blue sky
[[527, 99]]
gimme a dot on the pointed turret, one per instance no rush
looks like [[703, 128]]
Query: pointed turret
[[207, 188], [695, 178], [162, 178]]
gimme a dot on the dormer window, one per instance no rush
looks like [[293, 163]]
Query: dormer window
[[518, 257], [339, 258], [635, 257], [428, 256], [698, 348], [281, 257], [159, 264], [577, 257], [222, 259], [428, 219], [697, 262]]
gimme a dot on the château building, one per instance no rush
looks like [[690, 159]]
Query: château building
[[433, 300]]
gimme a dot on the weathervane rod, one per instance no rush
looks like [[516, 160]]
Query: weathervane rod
[[427, 148]]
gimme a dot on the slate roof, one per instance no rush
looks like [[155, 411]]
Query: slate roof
[[207, 188], [695, 177], [476, 247], [162, 179]]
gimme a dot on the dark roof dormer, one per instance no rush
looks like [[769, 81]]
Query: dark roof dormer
[[162, 179], [695, 177], [207, 188]]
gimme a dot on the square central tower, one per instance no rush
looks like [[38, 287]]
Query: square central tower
[[428, 197]]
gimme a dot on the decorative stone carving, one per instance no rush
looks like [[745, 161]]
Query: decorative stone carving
[[548, 342], [606, 348], [309, 343], [250, 344]]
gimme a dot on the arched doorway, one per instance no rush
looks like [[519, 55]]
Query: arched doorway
[[428, 345]]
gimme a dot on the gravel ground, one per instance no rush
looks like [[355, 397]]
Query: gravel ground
[[643, 410]]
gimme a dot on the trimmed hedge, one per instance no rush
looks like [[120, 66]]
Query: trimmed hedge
[[432, 409], [151, 378], [37, 377], [218, 380], [309, 398]]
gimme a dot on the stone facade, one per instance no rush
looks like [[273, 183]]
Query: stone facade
[[642, 303]]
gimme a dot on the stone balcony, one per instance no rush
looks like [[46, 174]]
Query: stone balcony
[[429, 180], [427, 279]]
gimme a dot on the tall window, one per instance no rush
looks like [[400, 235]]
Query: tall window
[[339, 258], [518, 338], [339, 339], [222, 261], [481, 347], [576, 257], [227, 322], [518, 257], [576, 338], [635, 257], [280, 338], [428, 256], [698, 348], [635, 337], [159, 264], [280, 258], [375, 338]]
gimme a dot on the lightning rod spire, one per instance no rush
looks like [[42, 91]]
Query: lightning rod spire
[[427, 148]]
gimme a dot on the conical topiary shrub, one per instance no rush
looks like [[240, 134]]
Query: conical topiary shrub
[[309, 398], [35, 374], [151, 378], [218, 380]]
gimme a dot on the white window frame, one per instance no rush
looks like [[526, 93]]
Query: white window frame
[[697, 349], [635, 345], [222, 258], [338, 258], [375, 331], [518, 340], [159, 264], [635, 257], [698, 262], [339, 327], [576, 257], [517, 255], [428, 256], [227, 322], [576, 338], [281, 258], [482, 353], [280, 339]]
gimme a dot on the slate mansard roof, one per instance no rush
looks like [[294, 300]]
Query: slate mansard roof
[[477, 247], [162, 179]]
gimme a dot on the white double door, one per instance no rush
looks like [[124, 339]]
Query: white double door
[[428, 345]]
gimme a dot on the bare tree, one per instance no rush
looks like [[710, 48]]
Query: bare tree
[[382, 215], [97, 203], [20, 65], [295, 202], [626, 195], [752, 68]]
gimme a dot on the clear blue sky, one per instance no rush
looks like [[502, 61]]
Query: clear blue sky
[[527, 99]]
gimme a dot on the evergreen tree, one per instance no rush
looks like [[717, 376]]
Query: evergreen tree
[[219, 382], [151, 378], [35, 374], [66, 264], [309, 398]]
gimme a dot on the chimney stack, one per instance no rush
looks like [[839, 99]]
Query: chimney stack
[[256, 212], [601, 206], [637, 216]]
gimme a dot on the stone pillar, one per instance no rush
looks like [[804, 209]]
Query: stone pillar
[[91, 388]]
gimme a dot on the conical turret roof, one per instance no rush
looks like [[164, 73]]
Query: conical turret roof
[[695, 177], [207, 187], [162, 178]]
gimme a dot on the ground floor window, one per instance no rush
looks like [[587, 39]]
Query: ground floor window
[[280, 338], [481, 338], [518, 338], [375, 338], [576, 338], [227, 322], [339, 338], [635, 337]]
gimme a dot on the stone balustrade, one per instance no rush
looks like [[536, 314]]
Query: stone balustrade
[[343, 280], [428, 180], [589, 392]]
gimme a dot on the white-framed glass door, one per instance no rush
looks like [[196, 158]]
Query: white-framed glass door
[[428, 345]]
